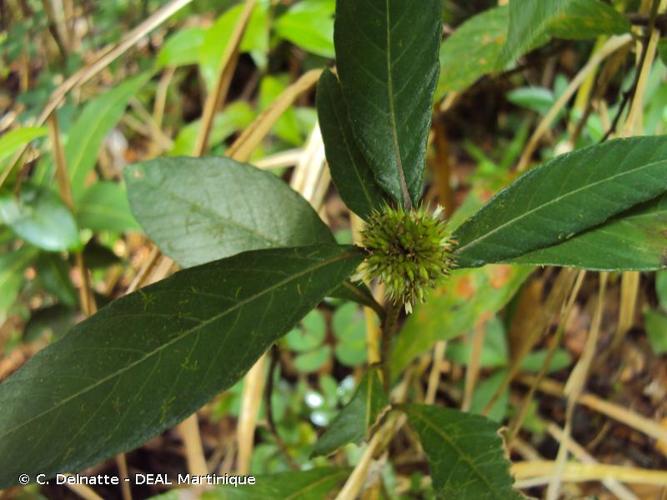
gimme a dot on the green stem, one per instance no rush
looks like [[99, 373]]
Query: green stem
[[390, 326]]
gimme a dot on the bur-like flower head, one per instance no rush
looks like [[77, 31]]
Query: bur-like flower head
[[409, 251]]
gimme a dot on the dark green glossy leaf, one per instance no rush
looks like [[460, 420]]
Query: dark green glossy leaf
[[354, 421], [301, 485], [451, 311], [104, 207], [40, 217], [465, 453], [472, 50], [564, 197], [98, 117], [635, 240], [151, 358], [531, 23], [387, 60], [199, 210], [350, 171]]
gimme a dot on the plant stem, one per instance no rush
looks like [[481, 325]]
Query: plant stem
[[389, 329]]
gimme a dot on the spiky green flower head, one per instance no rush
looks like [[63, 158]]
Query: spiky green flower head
[[409, 251]]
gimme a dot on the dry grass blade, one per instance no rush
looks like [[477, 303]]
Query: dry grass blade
[[575, 386], [258, 130], [583, 456], [227, 66], [535, 473]]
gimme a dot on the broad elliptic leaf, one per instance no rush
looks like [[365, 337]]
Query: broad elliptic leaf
[[632, 241], [564, 197], [98, 117], [202, 209], [387, 60], [40, 217], [151, 358], [655, 323], [53, 275], [532, 23], [293, 485], [465, 453], [454, 309], [104, 207], [472, 50], [354, 421], [350, 171]]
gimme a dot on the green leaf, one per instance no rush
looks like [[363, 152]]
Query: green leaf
[[301, 485], [309, 24], [532, 23], [309, 334], [564, 197], [484, 391], [104, 207], [199, 210], [151, 358], [181, 48], [312, 361], [53, 274], [287, 127], [468, 295], [255, 39], [12, 265], [40, 217], [349, 327], [350, 171], [12, 141], [635, 240], [656, 329], [661, 288], [234, 117], [98, 117], [472, 50], [465, 453], [354, 421], [387, 60]]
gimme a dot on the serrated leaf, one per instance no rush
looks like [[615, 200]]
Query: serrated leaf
[[151, 358], [564, 197], [40, 217], [104, 207], [632, 241], [98, 117], [451, 311], [472, 51], [301, 485], [350, 171], [354, 421], [202, 209], [387, 60], [532, 23], [309, 25], [465, 453]]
